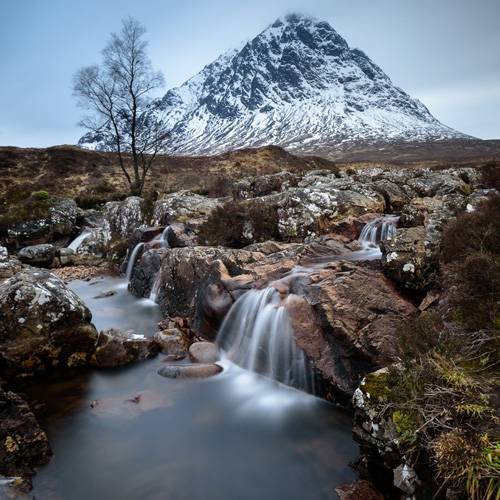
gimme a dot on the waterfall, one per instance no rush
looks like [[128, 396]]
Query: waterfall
[[155, 288], [75, 244], [257, 335], [374, 232], [164, 237], [131, 260]]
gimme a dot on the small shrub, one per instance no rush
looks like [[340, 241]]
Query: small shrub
[[40, 195], [240, 223]]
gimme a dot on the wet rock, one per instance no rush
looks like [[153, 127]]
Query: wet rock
[[358, 490], [183, 269], [183, 206], [145, 270], [44, 324], [116, 348], [23, 444], [189, 371], [215, 296], [410, 259], [204, 352], [347, 324], [37, 255], [106, 294], [4, 254], [123, 217], [172, 342], [66, 256]]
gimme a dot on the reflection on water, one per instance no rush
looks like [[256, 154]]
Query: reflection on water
[[132, 434]]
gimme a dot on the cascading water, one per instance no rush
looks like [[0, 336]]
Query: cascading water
[[155, 287], [75, 244], [372, 234], [131, 260], [164, 237], [257, 335]]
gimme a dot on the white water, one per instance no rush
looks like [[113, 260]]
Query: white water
[[164, 237], [75, 244], [131, 260], [257, 335], [155, 288], [378, 230]]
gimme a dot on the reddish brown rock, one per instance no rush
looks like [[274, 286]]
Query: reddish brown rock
[[358, 490]]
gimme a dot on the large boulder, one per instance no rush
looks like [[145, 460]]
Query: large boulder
[[123, 217], [183, 269], [23, 444], [183, 206], [62, 216], [347, 322], [38, 255], [44, 324]]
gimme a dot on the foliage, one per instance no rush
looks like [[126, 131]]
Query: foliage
[[442, 397], [21, 205], [238, 223]]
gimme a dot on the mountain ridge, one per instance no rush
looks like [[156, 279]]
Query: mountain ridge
[[297, 85]]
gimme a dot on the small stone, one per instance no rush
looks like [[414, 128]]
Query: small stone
[[204, 352]]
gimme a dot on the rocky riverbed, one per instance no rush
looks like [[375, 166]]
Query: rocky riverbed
[[343, 293]]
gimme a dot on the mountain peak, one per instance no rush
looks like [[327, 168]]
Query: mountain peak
[[298, 85]]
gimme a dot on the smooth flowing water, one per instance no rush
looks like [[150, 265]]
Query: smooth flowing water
[[257, 335], [131, 434]]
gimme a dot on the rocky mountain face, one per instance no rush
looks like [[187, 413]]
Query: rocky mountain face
[[299, 85]]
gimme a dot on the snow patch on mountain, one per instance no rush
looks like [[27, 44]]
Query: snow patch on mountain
[[298, 85]]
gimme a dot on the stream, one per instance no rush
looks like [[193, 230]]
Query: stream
[[129, 433]]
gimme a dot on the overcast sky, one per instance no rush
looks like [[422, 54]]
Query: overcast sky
[[445, 52]]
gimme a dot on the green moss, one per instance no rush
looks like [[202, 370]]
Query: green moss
[[377, 386], [406, 427], [40, 195]]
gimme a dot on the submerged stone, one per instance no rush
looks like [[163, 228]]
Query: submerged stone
[[189, 371]]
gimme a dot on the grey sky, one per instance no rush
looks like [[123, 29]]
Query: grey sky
[[445, 52]]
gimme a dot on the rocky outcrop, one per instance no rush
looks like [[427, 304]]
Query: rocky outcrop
[[115, 348], [44, 324], [348, 326], [182, 271], [183, 206], [252, 187], [38, 255], [23, 444], [60, 222]]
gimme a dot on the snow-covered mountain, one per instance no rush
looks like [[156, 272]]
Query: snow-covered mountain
[[298, 85]]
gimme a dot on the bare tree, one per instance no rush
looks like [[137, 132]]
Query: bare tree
[[117, 95]]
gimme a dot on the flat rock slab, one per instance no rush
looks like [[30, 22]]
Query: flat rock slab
[[189, 371], [204, 352]]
